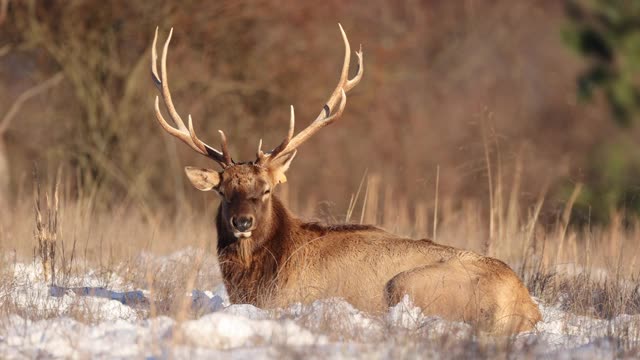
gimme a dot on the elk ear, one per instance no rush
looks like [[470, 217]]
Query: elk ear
[[280, 166], [203, 179]]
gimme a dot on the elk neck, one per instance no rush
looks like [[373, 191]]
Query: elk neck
[[250, 273]]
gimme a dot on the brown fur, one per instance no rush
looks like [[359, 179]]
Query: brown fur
[[270, 258], [294, 261]]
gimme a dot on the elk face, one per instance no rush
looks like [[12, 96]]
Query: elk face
[[245, 191]]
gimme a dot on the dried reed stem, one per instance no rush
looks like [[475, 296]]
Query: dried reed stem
[[46, 230], [435, 207]]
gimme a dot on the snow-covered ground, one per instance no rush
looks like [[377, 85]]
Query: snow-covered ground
[[116, 324]]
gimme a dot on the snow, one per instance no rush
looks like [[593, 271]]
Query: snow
[[86, 319], [28, 291]]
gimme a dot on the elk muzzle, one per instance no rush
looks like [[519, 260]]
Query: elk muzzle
[[242, 225]]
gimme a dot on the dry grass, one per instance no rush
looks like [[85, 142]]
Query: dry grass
[[119, 247], [590, 271]]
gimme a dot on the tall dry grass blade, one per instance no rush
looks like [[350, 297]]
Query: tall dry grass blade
[[573, 242], [513, 207], [616, 239], [421, 219], [347, 216], [364, 202], [372, 204], [54, 228], [40, 228], [487, 158], [531, 226], [352, 204], [50, 237], [499, 216], [403, 218], [533, 220], [389, 216], [566, 213], [435, 206], [564, 221]]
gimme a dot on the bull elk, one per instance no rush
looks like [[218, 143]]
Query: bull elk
[[270, 258]]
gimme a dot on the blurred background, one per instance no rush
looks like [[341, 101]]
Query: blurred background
[[460, 101]]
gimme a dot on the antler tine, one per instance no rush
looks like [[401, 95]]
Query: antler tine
[[292, 124], [154, 60], [283, 145], [344, 82], [344, 77], [325, 117], [316, 125], [196, 141], [225, 150], [182, 132], [185, 137], [344, 74], [360, 71], [164, 82], [260, 154]]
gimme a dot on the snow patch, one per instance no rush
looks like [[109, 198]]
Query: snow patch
[[327, 328]]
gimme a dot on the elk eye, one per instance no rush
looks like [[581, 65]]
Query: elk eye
[[224, 198], [267, 192]]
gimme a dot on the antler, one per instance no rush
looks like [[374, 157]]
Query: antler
[[187, 135], [290, 143]]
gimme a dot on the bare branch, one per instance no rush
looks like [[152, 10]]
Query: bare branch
[[26, 95]]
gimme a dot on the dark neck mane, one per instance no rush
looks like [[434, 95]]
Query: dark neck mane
[[252, 273], [250, 281]]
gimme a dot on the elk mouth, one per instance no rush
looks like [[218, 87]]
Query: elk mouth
[[242, 234]]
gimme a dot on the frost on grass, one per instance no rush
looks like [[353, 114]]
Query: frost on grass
[[83, 297], [86, 318]]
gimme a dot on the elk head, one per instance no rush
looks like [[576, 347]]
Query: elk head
[[246, 188]]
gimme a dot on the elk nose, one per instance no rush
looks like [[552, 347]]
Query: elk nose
[[242, 223]]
